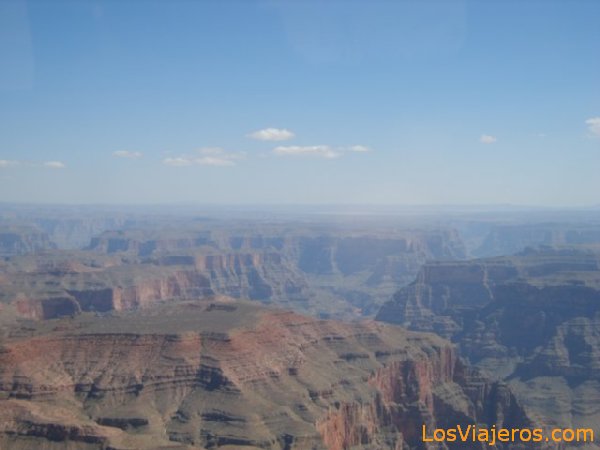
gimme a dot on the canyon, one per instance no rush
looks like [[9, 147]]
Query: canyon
[[531, 320], [231, 374], [126, 331], [327, 273]]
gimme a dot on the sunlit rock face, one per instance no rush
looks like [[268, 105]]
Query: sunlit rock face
[[343, 275], [228, 374]]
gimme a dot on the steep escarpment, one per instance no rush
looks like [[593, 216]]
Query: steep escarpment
[[233, 375], [446, 297], [71, 227], [313, 271], [353, 267], [532, 319], [75, 232], [22, 240], [319, 249], [70, 283], [507, 239]]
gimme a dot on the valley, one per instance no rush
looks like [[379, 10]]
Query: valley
[[317, 332], [228, 374], [531, 320]]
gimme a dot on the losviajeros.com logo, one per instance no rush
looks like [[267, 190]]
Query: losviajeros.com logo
[[492, 435]]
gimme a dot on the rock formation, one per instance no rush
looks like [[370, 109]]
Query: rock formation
[[315, 272], [223, 374], [513, 238], [532, 319], [23, 240]]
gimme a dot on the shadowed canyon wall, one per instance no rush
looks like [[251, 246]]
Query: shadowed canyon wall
[[532, 319]]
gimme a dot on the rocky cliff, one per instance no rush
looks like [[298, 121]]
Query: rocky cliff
[[312, 271], [67, 284], [532, 319], [513, 238], [355, 268], [71, 227], [23, 240], [233, 375]]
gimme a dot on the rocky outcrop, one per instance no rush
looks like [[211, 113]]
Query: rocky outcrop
[[320, 250], [25, 425], [531, 319], [320, 273], [513, 238], [42, 290], [233, 375], [73, 232], [23, 240], [354, 270], [71, 227]]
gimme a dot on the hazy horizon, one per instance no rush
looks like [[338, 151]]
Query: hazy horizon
[[303, 208]]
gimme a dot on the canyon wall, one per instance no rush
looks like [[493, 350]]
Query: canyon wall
[[513, 238], [319, 273], [23, 241], [532, 319], [233, 375]]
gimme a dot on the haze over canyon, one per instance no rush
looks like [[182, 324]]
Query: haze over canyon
[[160, 328]]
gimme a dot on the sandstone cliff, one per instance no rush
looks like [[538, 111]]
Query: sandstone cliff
[[310, 271], [233, 375]]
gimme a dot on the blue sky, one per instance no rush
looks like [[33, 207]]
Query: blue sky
[[245, 102]]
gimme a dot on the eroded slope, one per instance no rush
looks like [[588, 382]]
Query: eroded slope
[[233, 375], [316, 271], [532, 319]]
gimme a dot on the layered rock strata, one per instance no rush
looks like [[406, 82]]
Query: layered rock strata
[[233, 375], [346, 276], [532, 319]]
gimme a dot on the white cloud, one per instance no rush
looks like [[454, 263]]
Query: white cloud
[[179, 161], [54, 165], [593, 124], [216, 156], [272, 134], [321, 151], [127, 154], [487, 139], [214, 161], [360, 149], [4, 163], [210, 156]]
